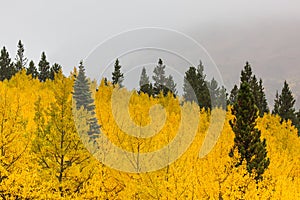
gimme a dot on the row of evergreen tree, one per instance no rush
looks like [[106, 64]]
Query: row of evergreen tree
[[9, 68], [208, 94], [284, 103]]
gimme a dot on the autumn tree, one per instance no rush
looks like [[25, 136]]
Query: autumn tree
[[57, 146], [247, 137], [117, 75]]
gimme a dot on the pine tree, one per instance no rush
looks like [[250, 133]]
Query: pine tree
[[159, 78], [83, 98], [190, 85], [214, 91], [44, 68], [170, 86], [298, 122], [54, 70], [144, 83], [21, 60], [246, 74], [247, 137], [285, 105], [117, 76], [257, 89], [202, 93], [262, 100], [7, 69], [31, 70], [195, 87], [275, 110], [222, 98], [233, 95]]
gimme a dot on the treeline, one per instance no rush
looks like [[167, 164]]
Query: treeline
[[208, 94], [43, 156], [9, 67]]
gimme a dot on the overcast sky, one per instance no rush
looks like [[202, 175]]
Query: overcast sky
[[266, 33]]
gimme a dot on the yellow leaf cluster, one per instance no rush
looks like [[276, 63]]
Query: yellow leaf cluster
[[43, 151]]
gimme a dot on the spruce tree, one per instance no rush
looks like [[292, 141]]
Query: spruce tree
[[233, 95], [298, 122], [256, 87], [247, 138], [170, 86], [21, 60], [202, 91], [284, 105], [31, 70], [83, 98], [262, 100], [195, 87], [7, 69], [214, 91], [144, 83], [222, 98], [54, 70], [159, 78], [44, 68], [275, 110], [117, 76], [190, 85]]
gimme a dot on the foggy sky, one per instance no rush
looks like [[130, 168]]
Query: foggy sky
[[265, 33]]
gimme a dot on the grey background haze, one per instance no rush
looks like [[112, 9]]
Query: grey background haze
[[265, 33]]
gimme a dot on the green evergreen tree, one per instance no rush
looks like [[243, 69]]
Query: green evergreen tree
[[159, 78], [105, 81], [247, 138], [233, 95], [261, 99], [246, 74], [257, 89], [54, 70], [7, 69], [214, 92], [284, 105], [222, 98], [170, 86], [202, 91], [298, 122], [195, 88], [44, 68], [21, 60], [32, 70], [144, 83], [275, 110], [117, 76], [190, 85], [83, 98]]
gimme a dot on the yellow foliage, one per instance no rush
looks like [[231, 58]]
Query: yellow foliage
[[35, 116]]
